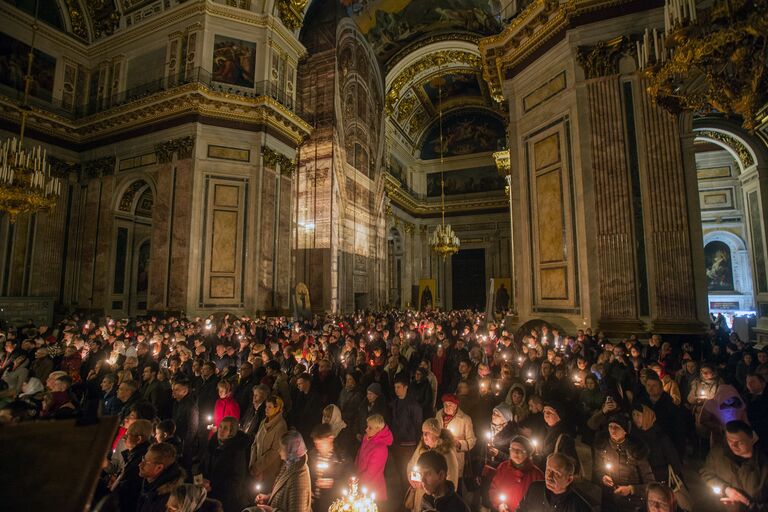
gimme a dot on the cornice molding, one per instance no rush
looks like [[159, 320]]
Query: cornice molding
[[189, 98], [420, 208], [534, 27]]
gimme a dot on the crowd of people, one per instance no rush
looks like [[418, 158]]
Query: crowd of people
[[427, 411]]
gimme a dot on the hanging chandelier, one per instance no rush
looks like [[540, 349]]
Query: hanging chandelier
[[26, 184], [709, 59], [443, 240], [354, 500]]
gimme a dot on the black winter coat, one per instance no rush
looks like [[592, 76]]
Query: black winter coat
[[128, 483], [225, 465], [539, 499], [154, 495]]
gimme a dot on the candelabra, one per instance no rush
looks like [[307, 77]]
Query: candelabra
[[354, 500], [709, 58], [26, 184]]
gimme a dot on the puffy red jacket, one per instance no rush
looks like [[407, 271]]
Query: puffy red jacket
[[513, 483]]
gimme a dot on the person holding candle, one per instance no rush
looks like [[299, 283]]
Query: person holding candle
[[661, 452], [433, 437], [440, 494], [460, 425], [516, 402], [513, 477], [326, 468], [226, 405], [292, 490], [265, 450], [621, 466], [737, 470]]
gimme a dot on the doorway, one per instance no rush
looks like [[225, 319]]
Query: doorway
[[468, 271]]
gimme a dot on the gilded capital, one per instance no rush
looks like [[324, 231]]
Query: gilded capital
[[274, 159], [602, 59], [182, 147], [503, 162]]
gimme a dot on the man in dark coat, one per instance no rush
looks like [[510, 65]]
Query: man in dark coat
[[127, 486], [406, 429], [668, 416], [207, 389], [757, 407], [225, 465], [186, 416], [439, 493], [161, 476], [154, 391], [555, 492], [737, 470], [307, 410], [244, 390], [256, 410]]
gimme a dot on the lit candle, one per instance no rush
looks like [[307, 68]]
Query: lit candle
[[717, 489], [322, 466], [535, 442], [608, 466], [258, 487], [489, 435]]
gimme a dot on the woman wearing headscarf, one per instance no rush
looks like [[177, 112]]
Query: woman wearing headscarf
[[265, 450], [432, 438], [292, 490], [621, 466], [344, 441], [191, 498], [460, 425], [661, 451], [514, 476]]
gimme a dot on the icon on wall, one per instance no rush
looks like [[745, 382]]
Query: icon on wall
[[427, 290]]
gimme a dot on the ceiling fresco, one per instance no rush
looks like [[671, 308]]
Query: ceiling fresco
[[392, 25], [465, 132]]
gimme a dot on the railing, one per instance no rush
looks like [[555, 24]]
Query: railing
[[197, 75]]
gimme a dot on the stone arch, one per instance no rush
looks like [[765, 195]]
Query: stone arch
[[740, 269], [130, 194]]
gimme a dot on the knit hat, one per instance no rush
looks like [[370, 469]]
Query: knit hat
[[448, 397], [524, 441], [557, 406], [504, 411], [621, 420], [375, 388]]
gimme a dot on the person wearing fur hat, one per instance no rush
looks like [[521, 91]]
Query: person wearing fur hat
[[621, 466], [433, 437], [514, 476], [460, 425]]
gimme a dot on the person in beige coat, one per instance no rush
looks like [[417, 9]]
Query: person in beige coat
[[265, 450], [292, 490], [432, 438], [460, 426]]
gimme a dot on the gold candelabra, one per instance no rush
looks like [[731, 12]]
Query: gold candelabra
[[26, 184], [354, 499], [709, 59]]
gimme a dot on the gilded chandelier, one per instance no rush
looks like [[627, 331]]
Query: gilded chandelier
[[709, 59], [26, 184], [443, 240]]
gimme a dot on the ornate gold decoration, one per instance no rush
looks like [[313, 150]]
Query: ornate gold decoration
[[405, 108], [181, 146], [98, 167], [26, 183], [273, 159], [715, 60], [745, 157], [126, 201], [602, 59], [76, 19], [436, 59], [353, 500], [291, 12], [421, 43], [503, 161]]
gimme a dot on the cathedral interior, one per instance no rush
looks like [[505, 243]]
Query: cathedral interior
[[211, 155]]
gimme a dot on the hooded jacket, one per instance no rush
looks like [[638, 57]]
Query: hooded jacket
[[519, 412], [371, 460]]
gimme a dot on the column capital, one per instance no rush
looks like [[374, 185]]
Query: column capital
[[602, 59]]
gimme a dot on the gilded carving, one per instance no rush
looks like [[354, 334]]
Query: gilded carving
[[436, 59], [76, 19], [181, 146], [291, 12], [405, 108], [503, 162], [98, 167], [745, 157], [273, 159], [602, 59]]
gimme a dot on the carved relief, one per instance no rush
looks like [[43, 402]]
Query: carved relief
[[182, 146], [602, 59]]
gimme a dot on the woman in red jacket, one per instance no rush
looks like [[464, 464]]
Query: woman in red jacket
[[372, 457], [226, 405], [512, 478]]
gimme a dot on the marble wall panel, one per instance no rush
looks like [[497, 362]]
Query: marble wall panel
[[265, 260], [161, 219], [549, 216], [178, 288]]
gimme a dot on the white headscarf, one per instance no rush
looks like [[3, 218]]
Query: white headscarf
[[337, 424]]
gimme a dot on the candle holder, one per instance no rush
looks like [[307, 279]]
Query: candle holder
[[354, 500]]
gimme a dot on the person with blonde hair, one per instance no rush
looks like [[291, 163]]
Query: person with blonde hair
[[372, 457], [433, 437], [265, 450]]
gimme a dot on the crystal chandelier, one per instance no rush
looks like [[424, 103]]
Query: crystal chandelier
[[26, 184], [710, 58], [354, 501], [443, 240]]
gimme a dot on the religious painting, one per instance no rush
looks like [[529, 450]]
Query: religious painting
[[427, 294], [234, 61], [717, 258], [397, 170], [391, 25], [13, 66], [465, 181], [303, 307], [453, 85], [464, 133]]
